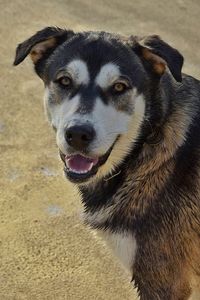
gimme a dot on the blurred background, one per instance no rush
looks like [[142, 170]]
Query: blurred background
[[45, 251]]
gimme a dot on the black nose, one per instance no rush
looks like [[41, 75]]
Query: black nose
[[79, 137]]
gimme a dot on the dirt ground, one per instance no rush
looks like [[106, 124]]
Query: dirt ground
[[45, 252]]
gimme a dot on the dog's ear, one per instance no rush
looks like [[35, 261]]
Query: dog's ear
[[158, 54], [41, 44]]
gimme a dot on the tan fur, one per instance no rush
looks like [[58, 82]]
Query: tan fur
[[159, 64], [39, 49]]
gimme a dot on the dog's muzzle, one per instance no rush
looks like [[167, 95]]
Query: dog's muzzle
[[80, 167]]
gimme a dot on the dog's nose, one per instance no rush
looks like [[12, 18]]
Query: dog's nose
[[79, 137]]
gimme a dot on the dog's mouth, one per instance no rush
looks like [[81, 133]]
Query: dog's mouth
[[79, 164], [79, 168]]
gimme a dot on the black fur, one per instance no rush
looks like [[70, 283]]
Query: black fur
[[171, 55], [24, 48]]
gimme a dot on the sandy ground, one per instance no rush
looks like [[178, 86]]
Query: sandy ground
[[45, 252]]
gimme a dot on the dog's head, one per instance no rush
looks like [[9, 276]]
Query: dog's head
[[98, 92]]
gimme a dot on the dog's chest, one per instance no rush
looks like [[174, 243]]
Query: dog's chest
[[123, 246]]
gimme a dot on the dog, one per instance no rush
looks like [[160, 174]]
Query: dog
[[127, 125]]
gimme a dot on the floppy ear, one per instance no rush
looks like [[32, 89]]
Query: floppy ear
[[42, 44], [159, 55]]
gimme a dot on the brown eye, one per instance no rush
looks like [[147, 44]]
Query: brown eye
[[65, 81], [119, 87]]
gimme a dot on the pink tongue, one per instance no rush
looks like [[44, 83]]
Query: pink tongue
[[79, 163]]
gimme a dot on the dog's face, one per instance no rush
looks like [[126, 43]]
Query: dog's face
[[91, 97], [95, 94]]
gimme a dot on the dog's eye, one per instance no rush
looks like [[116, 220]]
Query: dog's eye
[[65, 81], [119, 87]]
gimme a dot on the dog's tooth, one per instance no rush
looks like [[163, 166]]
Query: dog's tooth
[[81, 172]]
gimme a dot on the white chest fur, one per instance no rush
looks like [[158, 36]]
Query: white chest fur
[[123, 245]]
